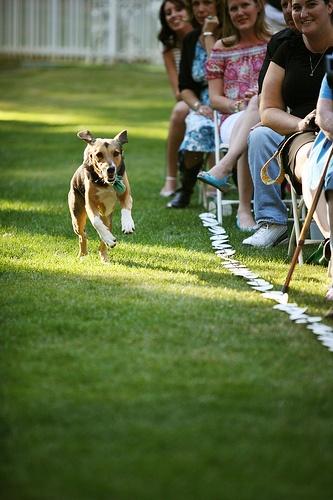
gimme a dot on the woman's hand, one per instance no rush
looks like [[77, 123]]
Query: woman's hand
[[308, 122], [205, 111], [210, 24], [240, 105], [249, 94]]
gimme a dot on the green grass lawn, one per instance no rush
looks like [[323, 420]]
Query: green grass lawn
[[159, 375]]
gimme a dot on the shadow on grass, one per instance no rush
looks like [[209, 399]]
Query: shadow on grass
[[70, 303]]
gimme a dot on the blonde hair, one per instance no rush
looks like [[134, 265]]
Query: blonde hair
[[230, 35]]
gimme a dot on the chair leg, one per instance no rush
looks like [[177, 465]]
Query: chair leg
[[217, 159]]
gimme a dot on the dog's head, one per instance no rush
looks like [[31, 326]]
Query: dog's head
[[105, 156]]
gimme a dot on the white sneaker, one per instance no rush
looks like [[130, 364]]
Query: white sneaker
[[268, 235]]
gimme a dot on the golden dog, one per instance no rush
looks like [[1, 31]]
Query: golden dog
[[96, 186]]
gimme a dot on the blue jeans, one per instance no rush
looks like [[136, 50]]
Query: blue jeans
[[268, 204]]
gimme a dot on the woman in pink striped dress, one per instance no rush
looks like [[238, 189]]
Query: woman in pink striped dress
[[232, 72]]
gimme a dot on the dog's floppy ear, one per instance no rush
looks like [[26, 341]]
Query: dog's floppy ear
[[122, 137], [86, 136]]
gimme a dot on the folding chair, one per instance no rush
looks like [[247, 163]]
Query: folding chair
[[220, 150], [204, 197]]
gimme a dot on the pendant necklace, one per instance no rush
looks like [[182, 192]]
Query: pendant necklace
[[313, 69]]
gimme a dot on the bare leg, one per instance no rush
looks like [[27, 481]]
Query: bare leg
[[245, 192], [175, 137], [238, 140]]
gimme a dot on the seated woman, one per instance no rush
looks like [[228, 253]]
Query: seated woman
[[289, 96], [206, 15], [232, 71], [174, 27], [307, 172]]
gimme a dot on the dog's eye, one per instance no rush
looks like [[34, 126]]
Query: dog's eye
[[116, 153], [100, 155]]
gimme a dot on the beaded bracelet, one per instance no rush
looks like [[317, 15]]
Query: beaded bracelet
[[237, 106]]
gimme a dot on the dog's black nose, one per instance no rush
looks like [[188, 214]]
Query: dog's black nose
[[110, 170]]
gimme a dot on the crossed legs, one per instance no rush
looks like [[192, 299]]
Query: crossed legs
[[236, 157]]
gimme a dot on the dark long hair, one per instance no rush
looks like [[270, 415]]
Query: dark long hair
[[219, 12], [166, 35]]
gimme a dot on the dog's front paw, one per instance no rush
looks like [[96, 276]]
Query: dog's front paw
[[110, 240], [127, 223], [104, 233]]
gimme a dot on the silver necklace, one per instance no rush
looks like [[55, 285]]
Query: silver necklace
[[313, 69]]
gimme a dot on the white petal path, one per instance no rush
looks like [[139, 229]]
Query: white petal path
[[223, 249]]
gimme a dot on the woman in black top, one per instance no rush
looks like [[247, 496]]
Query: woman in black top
[[288, 100]]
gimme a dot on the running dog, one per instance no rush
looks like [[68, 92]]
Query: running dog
[[96, 186]]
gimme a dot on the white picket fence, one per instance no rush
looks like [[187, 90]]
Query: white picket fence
[[94, 30]]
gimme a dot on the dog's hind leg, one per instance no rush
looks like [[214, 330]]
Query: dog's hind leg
[[79, 218], [83, 247], [103, 252]]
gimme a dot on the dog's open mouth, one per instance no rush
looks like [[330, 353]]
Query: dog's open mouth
[[111, 179]]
